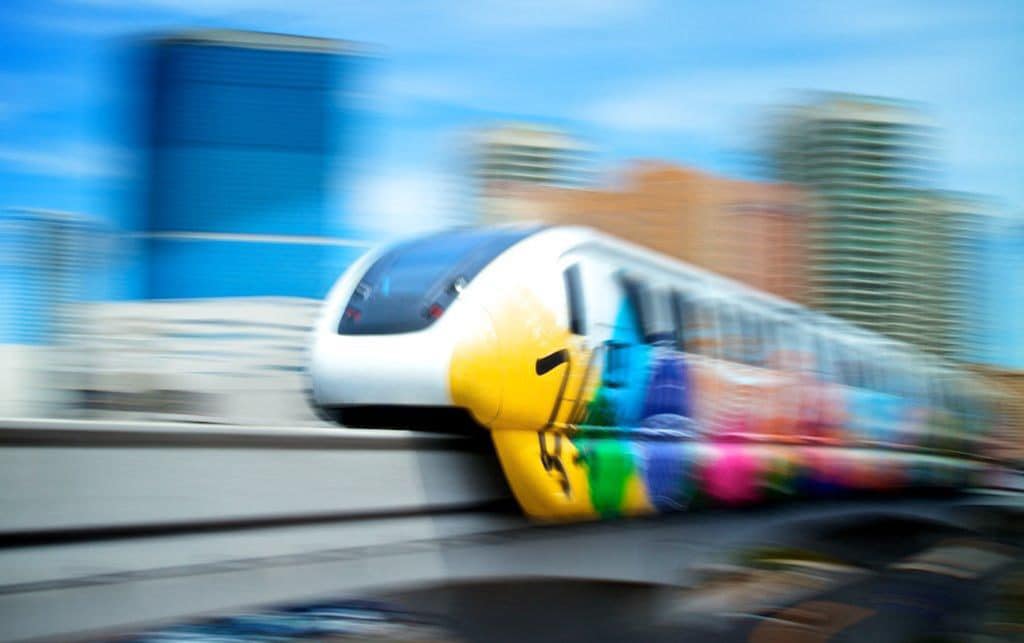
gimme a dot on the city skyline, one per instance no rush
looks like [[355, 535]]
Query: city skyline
[[634, 79]]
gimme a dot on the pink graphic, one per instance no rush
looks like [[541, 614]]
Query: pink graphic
[[731, 475]]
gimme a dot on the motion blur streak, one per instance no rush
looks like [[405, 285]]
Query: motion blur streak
[[282, 281]]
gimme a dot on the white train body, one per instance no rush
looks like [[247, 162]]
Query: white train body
[[614, 380]]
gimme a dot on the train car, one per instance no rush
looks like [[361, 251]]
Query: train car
[[615, 381]]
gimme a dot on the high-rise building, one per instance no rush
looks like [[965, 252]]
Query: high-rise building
[[245, 131], [507, 156], [747, 230], [995, 309], [47, 261], [883, 248]]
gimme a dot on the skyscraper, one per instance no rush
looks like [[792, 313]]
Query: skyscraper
[[996, 307], [883, 251], [245, 131], [48, 264], [506, 156]]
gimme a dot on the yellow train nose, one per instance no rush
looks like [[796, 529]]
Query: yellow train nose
[[476, 373]]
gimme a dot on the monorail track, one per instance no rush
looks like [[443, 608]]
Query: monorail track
[[107, 526]]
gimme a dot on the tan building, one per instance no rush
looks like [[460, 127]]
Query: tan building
[[1008, 441], [749, 231]]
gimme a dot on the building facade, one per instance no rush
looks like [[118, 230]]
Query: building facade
[[884, 250], [507, 157], [996, 311], [245, 131], [48, 265], [746, 230]]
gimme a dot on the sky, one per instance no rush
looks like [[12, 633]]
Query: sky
[[688, 82]]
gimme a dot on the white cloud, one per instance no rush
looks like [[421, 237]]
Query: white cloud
[[715, 101], [405, 202], [71, 160], [427, 85], [659, 107]]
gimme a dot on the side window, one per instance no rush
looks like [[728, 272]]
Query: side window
[[843, 367], [731, 333], [616, 364], [638, 300], [787, 344], [680, 318], [823, 357], [769, 342], [711, 328], [703, 322], [749, 344], [859, 370], [755, 340], [661, 327], [574, 296]]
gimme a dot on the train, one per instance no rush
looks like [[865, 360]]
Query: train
[[615, 381]]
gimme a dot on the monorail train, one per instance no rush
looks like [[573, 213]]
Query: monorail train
[[615, 381]]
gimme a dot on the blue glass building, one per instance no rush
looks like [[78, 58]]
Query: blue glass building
[[47, 263], [245, 134], [998, 300]]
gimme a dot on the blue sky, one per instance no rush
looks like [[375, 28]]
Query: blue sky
[[683, 81]]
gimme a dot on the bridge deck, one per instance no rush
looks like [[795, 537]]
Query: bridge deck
[[114, 525]]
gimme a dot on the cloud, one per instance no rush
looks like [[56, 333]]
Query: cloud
[[660, 107], [75, 160], [405, 201], [714, 101]]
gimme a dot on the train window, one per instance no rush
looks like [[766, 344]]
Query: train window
[[768, 341], [787, 344], [574, 296], [661, 328], [846, 369], [825, 361], [707, 333], [616, 364], [711, 328], [732, 333], [753, 338], [860, 370], [696, 326], [411, 285], [680, 316], [637, 298], [756, 340]]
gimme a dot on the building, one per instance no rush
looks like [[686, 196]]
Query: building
[[996, 306], [244, 133], [511, 155], [884, 249], [220, 359], [47, 264], [747, 230], [1007, 441]]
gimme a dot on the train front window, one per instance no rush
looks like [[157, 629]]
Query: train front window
[[411, 285]]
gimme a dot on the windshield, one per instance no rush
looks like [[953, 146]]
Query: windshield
[[410, 286]]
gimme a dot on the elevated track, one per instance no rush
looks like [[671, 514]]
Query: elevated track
[[119, 525]]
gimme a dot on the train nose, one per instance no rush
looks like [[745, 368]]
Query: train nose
[[368, 370], [476, 374]]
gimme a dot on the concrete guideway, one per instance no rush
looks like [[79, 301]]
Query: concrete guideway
[[107, 526]]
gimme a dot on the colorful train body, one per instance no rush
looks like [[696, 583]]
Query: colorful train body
[[617, 382]]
